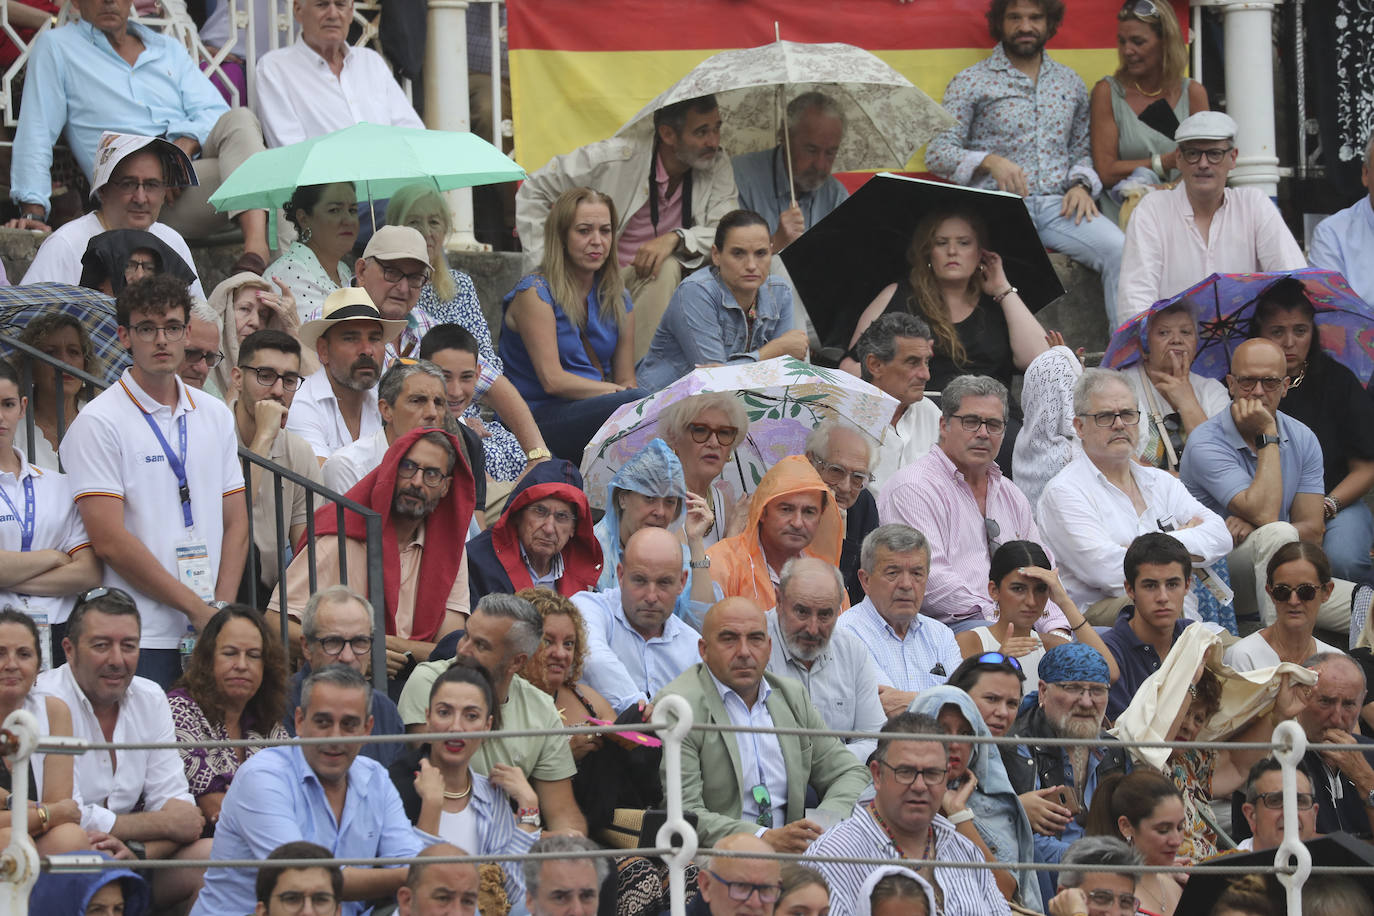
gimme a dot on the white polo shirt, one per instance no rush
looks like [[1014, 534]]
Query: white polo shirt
[[355, 461], [56, 526], [111, 451], [103, 789], [316, 418]]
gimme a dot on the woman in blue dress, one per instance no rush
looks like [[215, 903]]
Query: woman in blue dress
[[569, 330]]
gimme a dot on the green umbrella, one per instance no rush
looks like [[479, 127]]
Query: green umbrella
[[380, 160]]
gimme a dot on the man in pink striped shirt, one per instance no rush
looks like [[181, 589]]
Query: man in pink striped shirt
[[957, 497]]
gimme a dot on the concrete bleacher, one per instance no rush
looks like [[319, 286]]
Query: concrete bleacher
[[1079, 314]]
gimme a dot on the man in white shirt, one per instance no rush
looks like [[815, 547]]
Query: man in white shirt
[[893, 354], [320, 84], [1201, 227], [635, 643], [835, 667], [1091, 511], [267, 376], [155, 470], [410, 395], [131, 180], [202, 350], [1344, 241], [142, 805], [338, 403], [910, 650]]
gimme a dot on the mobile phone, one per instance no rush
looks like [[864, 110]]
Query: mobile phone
[[1069, 799]]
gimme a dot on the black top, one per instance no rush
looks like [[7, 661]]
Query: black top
[[984, 334], [861, 518], [1332, 403]]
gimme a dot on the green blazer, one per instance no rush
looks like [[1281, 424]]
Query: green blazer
[[712, 778]]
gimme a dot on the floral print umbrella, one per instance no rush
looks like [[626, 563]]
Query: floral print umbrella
[[887, 118], [1225, 303], [785, 399]]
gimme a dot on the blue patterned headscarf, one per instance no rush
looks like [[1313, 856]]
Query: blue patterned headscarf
[[654, 470], [1074, 662]]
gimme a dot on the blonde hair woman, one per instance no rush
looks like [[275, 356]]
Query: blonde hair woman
[[569, 333]]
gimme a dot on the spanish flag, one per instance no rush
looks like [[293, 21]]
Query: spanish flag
[[580, 69]]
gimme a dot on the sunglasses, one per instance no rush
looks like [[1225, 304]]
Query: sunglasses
[[1306, 592], [1140, 9], [997, 658], [765, 803]]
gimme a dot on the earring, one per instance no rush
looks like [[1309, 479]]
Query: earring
[[305, 235]]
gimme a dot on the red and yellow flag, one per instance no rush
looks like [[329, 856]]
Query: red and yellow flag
[[580, 69]]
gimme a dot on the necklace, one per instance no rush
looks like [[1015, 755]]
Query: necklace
[[1149, 95], [1297, 379], [458, 796]]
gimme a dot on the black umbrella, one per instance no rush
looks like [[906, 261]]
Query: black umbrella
[[840, 264], [1342, 850]]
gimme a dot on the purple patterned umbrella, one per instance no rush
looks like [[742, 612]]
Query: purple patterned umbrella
[[1225, 304]]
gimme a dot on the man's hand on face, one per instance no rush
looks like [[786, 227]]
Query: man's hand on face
[[1353, 764], [1253, 418], [270, 417]]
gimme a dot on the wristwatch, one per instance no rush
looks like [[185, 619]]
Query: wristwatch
[[538, 454], [1264, 439], [1369, 799], [704, 564]]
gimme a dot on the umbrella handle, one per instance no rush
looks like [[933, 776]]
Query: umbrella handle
[[782, 112]]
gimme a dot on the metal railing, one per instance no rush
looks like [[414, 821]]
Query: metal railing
[[676, 841], [278, 539]]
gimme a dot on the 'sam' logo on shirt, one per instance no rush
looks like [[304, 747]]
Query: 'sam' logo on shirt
[[153, 459], [8, 518]]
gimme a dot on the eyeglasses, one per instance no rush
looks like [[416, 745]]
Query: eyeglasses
[[997, 658], [392, 275], [131, 185], [1274, 800], [1248, 382], [1127, 903], [971, 422], [741, 891], [541, 513], [764, 801], [133, 265], [700, 432], [906, 776], [1108, 418], [149, 331], [1140, 9], [321, 902], [1192, 155], [195, 354], [333, 645], [432, 477], [833, 473], [267, 377], [1306, 592], [1095, 692]]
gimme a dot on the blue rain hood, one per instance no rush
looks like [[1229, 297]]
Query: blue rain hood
[[653, 471]]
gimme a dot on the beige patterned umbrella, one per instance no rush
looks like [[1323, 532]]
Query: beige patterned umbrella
[[887, 118]]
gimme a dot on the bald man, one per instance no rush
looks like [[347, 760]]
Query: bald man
[[762, 878], [759, 787], [635, 643], [1262, 471], [439, 888]]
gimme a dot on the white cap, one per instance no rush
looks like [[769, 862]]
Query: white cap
[[114, 148], [1206, 125]]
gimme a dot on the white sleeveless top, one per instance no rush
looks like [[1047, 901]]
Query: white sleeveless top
[[1030, 664]]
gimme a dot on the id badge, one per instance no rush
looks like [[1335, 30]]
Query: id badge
[[193, 569]]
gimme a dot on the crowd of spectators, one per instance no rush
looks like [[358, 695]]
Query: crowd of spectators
[[906, 591]]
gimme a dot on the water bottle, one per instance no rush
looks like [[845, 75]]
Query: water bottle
[[44, 640], [187, 646]]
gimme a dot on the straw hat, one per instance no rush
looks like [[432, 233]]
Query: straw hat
[[349, 304]]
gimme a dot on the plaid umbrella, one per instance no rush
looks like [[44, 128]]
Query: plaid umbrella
[[1225, 304], [785, 398], [21, 304]]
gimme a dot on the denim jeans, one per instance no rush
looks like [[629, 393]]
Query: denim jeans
[[567, 426], [1096, 243], [1347, 540]]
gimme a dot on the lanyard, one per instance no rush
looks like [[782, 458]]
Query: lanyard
[[29, 519], [177, 462]]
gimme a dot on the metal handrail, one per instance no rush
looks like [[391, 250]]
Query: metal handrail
[[373, 520]]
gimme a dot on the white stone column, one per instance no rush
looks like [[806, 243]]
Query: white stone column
[[446, 101], [1249, 51]]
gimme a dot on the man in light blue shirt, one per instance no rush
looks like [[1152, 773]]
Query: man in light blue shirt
[[815, 128], [1344, 241], [835, 667], [911, 651], [321, 793], [635, 643], [1262, 471], [105, 73]]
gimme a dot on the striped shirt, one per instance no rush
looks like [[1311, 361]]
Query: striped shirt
[[967, 891], [923, 658], [932, 496]]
